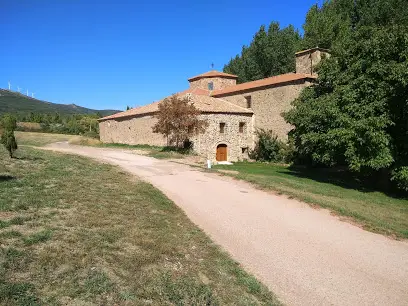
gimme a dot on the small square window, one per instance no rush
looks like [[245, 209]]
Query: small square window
[[241, 127], [249, 101], [211, 86], [244, 150], [222, 127]]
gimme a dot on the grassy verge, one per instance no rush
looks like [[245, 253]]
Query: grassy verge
[[76, 232], [374, 210]]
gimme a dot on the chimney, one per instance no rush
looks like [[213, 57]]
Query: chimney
[[307, 60]]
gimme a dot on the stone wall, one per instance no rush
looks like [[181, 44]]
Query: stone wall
[[306, 61], [138, 130], [269, 103], [219, 83], [131, 130], [206, 144]]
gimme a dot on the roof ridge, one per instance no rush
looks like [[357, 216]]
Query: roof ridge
[[276, 79]]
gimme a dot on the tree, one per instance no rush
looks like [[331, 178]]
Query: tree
[[327, 26], [270, 53], [357, 113], [9, 124], [178, 120]]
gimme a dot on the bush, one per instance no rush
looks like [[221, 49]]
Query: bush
[[400, 178], [269, 148]]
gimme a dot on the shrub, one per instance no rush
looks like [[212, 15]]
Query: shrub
[[269, 148], [400, 178], [9, 124]]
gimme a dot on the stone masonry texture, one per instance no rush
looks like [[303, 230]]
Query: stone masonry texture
[[218, 83], [268, 104]]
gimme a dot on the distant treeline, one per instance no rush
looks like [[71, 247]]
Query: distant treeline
[[77, 124]]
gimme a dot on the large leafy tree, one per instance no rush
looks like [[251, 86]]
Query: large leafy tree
[[270, 53], [178, 120], [357, 113]]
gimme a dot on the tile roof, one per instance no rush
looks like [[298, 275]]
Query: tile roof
[[213, 74], [210, 102], [283, 78], [200, 98]]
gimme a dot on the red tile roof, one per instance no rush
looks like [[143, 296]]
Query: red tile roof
[[279, 79], [210, 102], [201, 100], [213, 74]]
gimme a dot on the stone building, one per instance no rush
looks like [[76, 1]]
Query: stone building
[[233, 111]]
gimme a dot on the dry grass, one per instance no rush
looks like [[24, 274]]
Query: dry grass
[[40, 139], [76, 232], [33, 126], [84, 141]]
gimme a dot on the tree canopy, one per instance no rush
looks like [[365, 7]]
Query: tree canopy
[[270, 53], [357, 113], [178, 120]]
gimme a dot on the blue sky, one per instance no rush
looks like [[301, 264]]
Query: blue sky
[[109, 54]]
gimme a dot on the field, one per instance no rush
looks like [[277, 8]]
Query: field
[[373, 210], [77, 232]]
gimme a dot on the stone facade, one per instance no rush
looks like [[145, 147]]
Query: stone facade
[[218, 83], [138, 130], [308, 59], [269, 103], [132, 131], [237, 143]]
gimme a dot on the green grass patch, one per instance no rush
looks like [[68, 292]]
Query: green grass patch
[[79, 232], [335, 190], [39, 237], [10, 234]]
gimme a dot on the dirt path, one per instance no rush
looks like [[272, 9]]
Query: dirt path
[[304, 255]]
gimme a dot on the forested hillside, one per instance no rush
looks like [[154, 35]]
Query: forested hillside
[[21, 105]]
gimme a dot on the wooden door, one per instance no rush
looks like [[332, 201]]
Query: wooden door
[[221, 152]]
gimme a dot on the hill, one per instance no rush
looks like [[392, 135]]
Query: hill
[[19, 104]]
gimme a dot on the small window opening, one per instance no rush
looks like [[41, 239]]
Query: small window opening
[[241, 127], [244, 150], [211, 86], [222, 127], [249, 101]]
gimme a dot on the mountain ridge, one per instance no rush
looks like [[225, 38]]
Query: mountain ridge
[[20, 104]]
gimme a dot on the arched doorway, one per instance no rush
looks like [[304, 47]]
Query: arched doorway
[[221, 152]]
